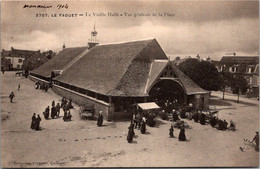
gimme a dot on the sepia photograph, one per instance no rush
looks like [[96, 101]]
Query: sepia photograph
[[116, 83]]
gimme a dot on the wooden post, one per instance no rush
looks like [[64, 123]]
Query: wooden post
[[145, 99]]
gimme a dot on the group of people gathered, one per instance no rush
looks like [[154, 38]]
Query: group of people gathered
[[136, 125], [197, 116], [41, 86], [55, 110], [35, 124]]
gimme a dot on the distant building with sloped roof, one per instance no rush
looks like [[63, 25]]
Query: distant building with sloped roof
[[17, 56], [247, 66], [115, 76]]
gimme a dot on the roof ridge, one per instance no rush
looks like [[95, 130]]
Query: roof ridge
[[115, 43]]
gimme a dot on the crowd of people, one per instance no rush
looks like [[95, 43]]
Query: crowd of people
[[41, 86], [54, 112]]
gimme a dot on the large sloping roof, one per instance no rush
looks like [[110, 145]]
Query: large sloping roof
[[114, 69], [60, 61], [190, 86], [123, 69]]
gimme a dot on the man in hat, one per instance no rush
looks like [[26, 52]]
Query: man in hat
[[256, 139]]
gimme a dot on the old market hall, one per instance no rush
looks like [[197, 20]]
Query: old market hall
[[115, 76]]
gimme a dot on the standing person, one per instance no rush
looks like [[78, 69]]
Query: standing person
[[53, 112], [65, 116], [69, 116], [171, 132], [129, 136], [202, 119], [33, 123], [58, 109], [100, 119], [19, 86], [11, 96], [131, 127], [70, 104], [38, 122], [256, 139], [143, 126], [182, 136], [53, 103], [46, 88], [47, 112], [196, 116]]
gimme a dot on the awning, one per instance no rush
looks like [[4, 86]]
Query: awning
[[148, 106]]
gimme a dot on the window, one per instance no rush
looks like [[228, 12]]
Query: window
[[18, 66], [233, 69], [20, 60]]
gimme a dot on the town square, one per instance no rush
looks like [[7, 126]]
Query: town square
[[130, 84]]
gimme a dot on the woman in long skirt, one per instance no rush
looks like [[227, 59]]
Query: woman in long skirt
[[33, 121], [129, 136], [100, 119], [143, 126], [171, 132], [182, 136]]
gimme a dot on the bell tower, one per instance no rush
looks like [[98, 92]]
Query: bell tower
[[93, 41]]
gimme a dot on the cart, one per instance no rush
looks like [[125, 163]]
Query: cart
[[87, 111]]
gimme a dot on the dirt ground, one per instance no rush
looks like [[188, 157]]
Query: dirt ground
[[80, 143]]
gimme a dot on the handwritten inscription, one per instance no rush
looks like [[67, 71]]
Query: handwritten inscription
[[60, 6], [37, 6]]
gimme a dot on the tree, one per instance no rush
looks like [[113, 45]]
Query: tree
[[226, 79], [239, 85], [201, 72], [49, 54]]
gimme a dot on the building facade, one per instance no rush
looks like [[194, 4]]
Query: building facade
[[247, 66], [17, 57]]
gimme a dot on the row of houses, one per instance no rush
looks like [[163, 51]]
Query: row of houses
[[115, 76], [17, 59]]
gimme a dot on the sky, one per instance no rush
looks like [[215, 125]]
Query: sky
[[208, 28]]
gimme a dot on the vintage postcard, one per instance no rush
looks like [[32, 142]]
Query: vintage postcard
[[129, 84]]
